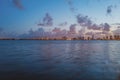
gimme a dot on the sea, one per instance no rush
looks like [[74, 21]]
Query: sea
[[59, 60]]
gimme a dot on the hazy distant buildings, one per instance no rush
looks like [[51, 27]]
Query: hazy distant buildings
[[101, 33]]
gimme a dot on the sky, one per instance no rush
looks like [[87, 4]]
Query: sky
[[20, 16]]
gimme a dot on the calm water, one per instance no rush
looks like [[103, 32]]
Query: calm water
[[59, 60]]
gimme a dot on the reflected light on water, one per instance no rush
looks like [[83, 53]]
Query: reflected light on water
[[60, 60]]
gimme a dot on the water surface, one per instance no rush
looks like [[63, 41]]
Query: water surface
[[59, 60]]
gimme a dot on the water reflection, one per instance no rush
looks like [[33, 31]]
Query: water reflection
[[60, 60]]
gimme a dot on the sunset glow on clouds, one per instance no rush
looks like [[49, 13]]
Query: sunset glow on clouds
[[19, 16]]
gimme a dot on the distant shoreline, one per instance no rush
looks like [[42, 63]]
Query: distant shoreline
[[61, 39]]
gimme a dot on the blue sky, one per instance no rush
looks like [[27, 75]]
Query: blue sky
[[13, 19]]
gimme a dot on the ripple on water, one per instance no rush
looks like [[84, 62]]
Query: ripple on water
[[60, 60]]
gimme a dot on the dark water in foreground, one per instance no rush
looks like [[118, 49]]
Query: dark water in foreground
[[59, 60]]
